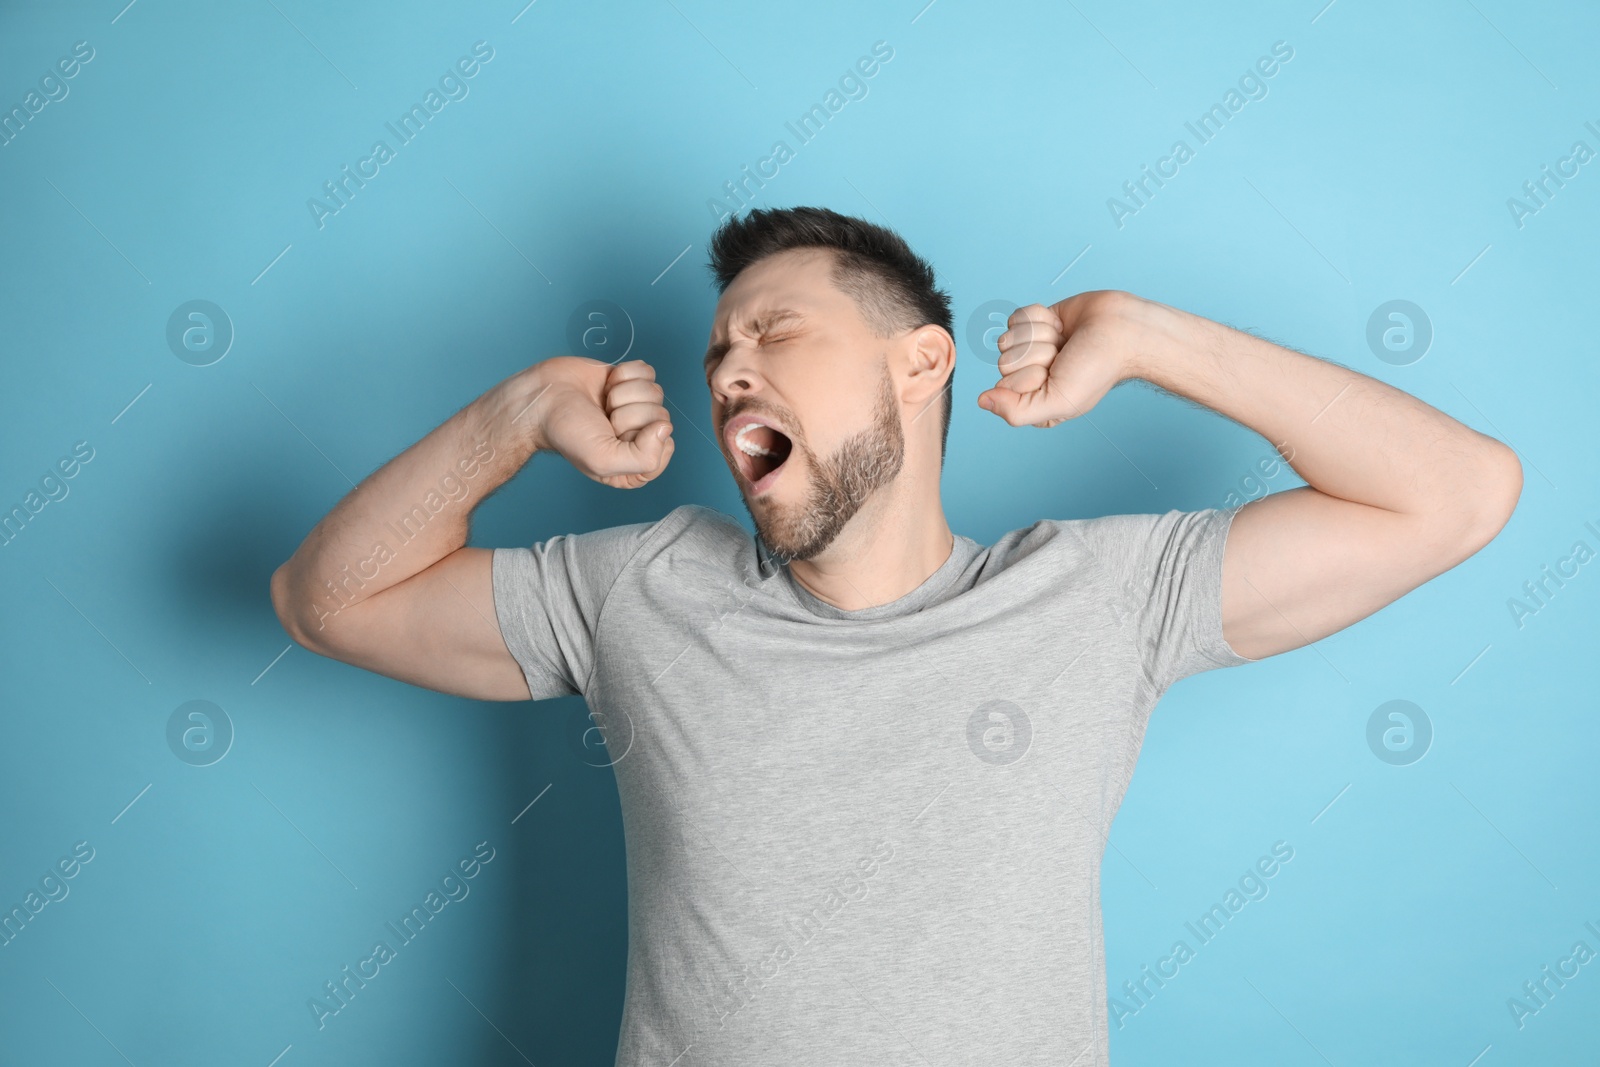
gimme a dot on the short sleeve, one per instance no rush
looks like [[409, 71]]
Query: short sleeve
[[1166, 576], [548, 599]]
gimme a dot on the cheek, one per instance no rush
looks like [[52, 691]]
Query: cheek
[[832, 405]]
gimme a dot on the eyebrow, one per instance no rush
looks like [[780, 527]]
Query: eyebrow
[[760, 323]]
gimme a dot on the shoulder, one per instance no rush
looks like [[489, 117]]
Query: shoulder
[[1119, 545], [609, 550], [694, 527], [687, 556], [1049, 553], [686, 525], [1050, 539], [1167, 549], [690, 538]]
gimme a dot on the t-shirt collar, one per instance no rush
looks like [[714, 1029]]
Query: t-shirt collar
[[932, 589]]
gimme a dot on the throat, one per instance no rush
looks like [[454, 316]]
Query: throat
[[876, 563]]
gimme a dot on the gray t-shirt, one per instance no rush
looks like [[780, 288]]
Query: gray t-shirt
[[867, 836]]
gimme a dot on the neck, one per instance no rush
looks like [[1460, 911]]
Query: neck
[[891, 546]]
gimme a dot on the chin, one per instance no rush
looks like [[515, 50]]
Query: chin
[[797, 529]]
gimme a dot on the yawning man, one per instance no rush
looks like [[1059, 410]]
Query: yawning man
[[867, 765]]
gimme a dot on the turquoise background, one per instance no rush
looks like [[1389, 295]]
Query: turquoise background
[[578, 167]]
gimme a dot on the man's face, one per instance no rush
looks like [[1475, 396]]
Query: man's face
[[802, 399]]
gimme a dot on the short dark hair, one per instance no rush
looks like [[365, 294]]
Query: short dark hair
[[892, 285]]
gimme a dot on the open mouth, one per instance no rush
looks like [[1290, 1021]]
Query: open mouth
[[759, 449]]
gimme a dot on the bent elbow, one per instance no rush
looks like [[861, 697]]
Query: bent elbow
[[1486, 504], [289, 610], [1500, 490]]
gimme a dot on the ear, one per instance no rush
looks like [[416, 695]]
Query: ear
[[930, 364]]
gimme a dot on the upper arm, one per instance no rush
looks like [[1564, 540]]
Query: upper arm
[[488, 623], [1301, 564], [436, 629]]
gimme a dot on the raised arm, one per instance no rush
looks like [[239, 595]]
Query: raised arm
[[384, 581], [1397, 492]]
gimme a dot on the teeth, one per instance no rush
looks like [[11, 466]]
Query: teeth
[[748, 447]]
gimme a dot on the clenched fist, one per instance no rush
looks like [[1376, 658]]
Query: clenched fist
[[1057, 362], [606, 419]]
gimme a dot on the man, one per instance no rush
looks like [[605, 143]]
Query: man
[[867, 766]]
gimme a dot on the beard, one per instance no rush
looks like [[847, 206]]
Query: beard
[[866, 462]]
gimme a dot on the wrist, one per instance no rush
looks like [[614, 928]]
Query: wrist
[[1160, 337], [515, 412]]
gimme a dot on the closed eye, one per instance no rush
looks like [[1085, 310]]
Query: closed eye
[[713, 360]]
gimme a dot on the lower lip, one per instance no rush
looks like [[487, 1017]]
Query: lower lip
[[758, 488]]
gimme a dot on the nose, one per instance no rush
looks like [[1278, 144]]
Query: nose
[[735, 374]]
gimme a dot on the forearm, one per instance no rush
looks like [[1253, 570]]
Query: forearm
[[1348, 435], [410, 513]]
